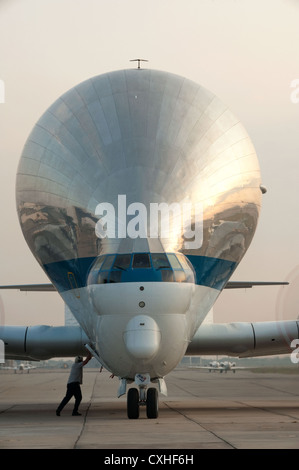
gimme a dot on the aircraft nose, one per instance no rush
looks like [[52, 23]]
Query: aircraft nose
[[142, 337]]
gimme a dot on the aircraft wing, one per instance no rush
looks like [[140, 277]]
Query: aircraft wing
[[229, 285], [204, 367], [249, 284], [228, 339], [220, 368], [31, 287]]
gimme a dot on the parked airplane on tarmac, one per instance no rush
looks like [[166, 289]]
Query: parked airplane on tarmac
[[224, 366], [21, 367], [139, 192]]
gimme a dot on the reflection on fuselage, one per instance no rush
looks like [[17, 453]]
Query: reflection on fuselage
[[153, 137]]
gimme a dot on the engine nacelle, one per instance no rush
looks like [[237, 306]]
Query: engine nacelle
[[42, 342], [244, 339]]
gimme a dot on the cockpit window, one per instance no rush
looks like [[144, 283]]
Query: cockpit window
[[174, 261], [122, 262], [145, 267], [184, 261], [99, 262], [141, 260], [188, 269], [108, 262], [160, 261]]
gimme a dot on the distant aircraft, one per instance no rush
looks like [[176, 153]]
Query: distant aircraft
[[214, 365], [21, 367], [227, 365], [26, 366], [139, 193], [224, 366]]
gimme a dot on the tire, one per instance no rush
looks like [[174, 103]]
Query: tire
[[152, 403], [133, 403]]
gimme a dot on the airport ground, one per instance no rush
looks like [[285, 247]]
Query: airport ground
[[242, 410]]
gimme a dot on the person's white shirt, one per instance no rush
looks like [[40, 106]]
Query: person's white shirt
[[76, 374]]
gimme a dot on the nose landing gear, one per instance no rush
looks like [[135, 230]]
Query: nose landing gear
[[146, 397], [152, 403]]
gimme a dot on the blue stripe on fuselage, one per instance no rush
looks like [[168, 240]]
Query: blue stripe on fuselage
[[212, 272], [70, 274]]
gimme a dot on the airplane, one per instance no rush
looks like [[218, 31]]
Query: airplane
[[227, 365], [139, 192], [21, 367], [223, 366], [213, 365], [26, 366]]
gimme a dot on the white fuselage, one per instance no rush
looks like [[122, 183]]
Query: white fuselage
[[146, 339]]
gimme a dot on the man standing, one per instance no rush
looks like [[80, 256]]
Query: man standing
[[73, 385]]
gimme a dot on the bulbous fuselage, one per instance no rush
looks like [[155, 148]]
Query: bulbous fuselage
[[108, 154]]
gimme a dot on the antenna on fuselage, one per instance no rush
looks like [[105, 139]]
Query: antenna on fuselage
[[138, 60]]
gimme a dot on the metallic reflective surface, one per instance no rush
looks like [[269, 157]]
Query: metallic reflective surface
[[149, 135], [245, 339], [43, 342], [138, 137]]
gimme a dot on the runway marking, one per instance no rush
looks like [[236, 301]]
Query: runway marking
[[86, 413], [270, 409], [200, 424], [275, 388], [7, 409], [223, 413]]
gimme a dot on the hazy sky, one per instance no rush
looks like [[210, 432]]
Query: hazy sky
[[245, 51]]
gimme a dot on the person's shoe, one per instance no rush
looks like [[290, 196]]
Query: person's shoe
[[57, 413], [75, 413]]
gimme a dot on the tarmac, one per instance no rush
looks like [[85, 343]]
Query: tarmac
[[242, 410]]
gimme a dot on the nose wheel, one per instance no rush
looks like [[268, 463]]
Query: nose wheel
[[146, 397], [152, 403], [133, 403]]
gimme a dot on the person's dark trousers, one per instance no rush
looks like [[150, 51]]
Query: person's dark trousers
[[73, 390]]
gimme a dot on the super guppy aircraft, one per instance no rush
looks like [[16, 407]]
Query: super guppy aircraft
[[139, 192]]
